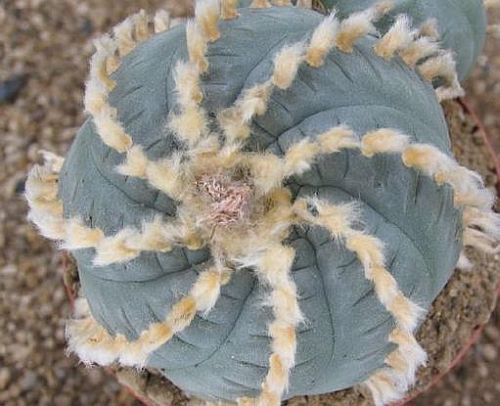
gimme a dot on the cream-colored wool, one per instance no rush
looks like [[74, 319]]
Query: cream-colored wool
[[260, 4], [482, 241], [105, 60], [336, 139], [359, 24], [229, 9], [135, 163], [322, 41], [491, 3], [274, 268], [442, 66], [481, 220], [233, 125], [161, 21], [114, 249], [267, 171], [282, 3], [79, 236], [299, 157], [450, 92], [166, 175], [41, 194], [141, 26], [418, 49], [207, 14], [197, 46], [187, 84], [52, 161], [384, 140], [464, 264], [123, 34], [110, 129], [254, 101], [98, 62], [190, 125], [399, 36], [95, 96], [391, 384], [155, 235], [429, 28], [286, 65], [467, 185], [304, 3], [354, 27]]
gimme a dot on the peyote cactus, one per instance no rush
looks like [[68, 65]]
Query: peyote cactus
[[263, 202]]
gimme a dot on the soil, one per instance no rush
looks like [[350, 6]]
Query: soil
[[44, 51]]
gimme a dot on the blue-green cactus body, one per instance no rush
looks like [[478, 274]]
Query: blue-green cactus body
[[224, 354], [461, 23]]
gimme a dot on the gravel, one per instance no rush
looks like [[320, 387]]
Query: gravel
[[48, 43]]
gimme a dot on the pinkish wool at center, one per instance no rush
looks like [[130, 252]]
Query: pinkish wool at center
[[229, 199]]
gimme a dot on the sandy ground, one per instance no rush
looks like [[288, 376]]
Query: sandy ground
[[44, 49]]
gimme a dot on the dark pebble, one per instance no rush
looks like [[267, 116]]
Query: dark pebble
[[10, 88]]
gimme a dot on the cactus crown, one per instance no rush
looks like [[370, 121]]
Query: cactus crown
[[231, 194]]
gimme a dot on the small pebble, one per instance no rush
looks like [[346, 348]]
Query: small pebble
[[490, 352], [4, 378]]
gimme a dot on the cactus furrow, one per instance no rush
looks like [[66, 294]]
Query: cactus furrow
[[94, 344], [46, 213], [388, 384]]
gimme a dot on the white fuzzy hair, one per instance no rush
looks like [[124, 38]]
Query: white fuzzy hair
[[273, 266], [359, 24], [46, 211], [398, 37], [260, 4], [304, 3], [322, 41], [207, 14], [161, 21], [268, 170], [286, 65], [229, 9], [491, 3]]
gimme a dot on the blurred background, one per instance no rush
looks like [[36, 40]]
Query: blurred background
[[44, 50]]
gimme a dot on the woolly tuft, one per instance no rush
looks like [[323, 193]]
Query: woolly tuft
[[398, 37], [384, 140], [286, 65], [359, 24], [197, 46], [207, 14], [161, 21], [322, 41], [282, 3], [418, 50], [229, 9], [489, 4], [260, 4]]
